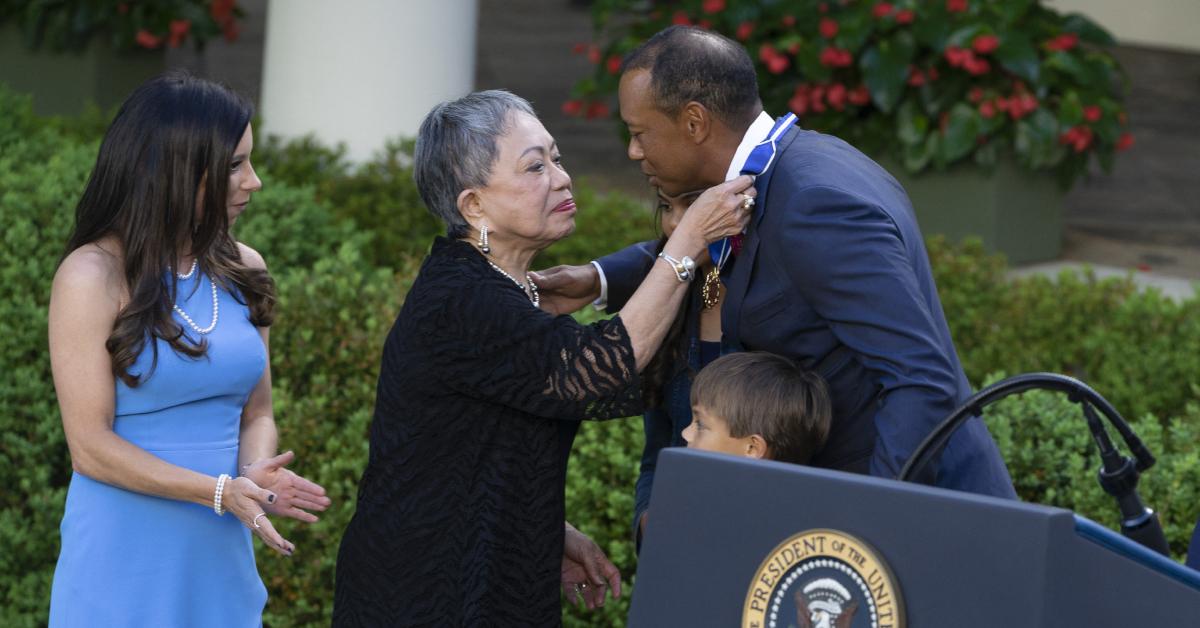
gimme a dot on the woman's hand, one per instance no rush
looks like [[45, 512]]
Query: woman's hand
[[567, 289], [721, 211], [246, 501], [587, 571], [293, 494]]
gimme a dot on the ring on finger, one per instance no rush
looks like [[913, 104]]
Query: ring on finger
[[747, 202], [255, 522]]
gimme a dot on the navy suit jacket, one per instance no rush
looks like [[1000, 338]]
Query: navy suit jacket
[[833, 273]]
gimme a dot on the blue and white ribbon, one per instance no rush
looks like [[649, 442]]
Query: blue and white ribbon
[[759, 160]]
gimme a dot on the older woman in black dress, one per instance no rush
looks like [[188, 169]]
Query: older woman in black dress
[[460, 516]]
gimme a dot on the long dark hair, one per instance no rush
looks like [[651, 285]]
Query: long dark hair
[[171, 132], [671, 356]]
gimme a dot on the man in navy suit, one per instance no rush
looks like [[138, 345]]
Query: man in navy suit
[[832, 271]]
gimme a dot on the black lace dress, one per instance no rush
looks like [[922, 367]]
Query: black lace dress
[[460, 511]]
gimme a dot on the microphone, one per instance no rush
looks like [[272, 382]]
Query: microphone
[[1118, 474]]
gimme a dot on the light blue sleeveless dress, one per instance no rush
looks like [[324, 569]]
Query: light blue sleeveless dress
[[130, 559]]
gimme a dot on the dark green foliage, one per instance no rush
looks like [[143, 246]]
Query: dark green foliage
[[338, 295]]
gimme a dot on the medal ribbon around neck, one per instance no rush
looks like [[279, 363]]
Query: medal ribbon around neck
[[760, 158]]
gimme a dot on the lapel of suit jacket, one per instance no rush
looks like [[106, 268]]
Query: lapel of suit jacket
[[739, 279]]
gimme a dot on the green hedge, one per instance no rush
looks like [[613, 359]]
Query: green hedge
[[344, 243]]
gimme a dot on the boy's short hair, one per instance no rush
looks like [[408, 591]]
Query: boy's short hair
[[762, 393]]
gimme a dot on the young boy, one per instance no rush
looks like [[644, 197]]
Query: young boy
[[760, 405]]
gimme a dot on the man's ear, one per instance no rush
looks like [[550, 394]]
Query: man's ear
[[697, 122], [470, 206], [756, 447]]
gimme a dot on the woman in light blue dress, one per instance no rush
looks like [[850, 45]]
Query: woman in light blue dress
[[158, 345]]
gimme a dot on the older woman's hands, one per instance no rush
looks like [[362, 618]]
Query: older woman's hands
[[294, 494], [722, 210], [586, 571], [247, 501]]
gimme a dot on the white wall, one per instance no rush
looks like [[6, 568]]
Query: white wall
[[1160, 23], [363, 71]]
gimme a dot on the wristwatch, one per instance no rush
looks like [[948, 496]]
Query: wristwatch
[[685, 269]]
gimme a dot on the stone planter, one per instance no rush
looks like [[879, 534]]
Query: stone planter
[[1015, 212], [63, 82]]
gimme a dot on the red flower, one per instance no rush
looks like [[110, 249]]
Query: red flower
[[744, 30], [713, 6], [986, 44], [222, 10], [828, 28], [1125, 141], [1063, 42], [794, 48], [956, 56], [977, 66], [777, 64], [882, 10], [987, 110], [837, 96], [597, 110], [593, 54], [1079, 138], [1028, 104], [816, 99], [956, 6], [932, 74], [579, 48], [1019, 106], [859, 96], [915, 77], [905, 16], [681, 18], [614, 64], [1092, 113], [975, 95], [1002, 104], [572, 107], [789, 20], [836, 57], [799, 101], [146, 39], [179, 30]]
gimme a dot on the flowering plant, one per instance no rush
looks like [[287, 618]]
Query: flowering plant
[[71, 24], [926, 82]]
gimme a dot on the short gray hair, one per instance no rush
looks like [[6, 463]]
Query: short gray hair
[[456, 147]]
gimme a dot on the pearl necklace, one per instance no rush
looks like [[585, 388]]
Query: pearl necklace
[[190, 272], [216, 307], [530, 286]]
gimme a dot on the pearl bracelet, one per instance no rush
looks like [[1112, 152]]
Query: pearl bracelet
[[217, 495], [685, 268]]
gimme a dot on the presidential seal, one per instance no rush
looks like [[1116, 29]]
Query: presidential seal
[[823, 579]]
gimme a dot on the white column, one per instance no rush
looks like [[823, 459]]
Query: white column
[[363, 71], [1158, 23]]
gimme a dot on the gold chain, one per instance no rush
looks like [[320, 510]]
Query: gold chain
[[710, 292]]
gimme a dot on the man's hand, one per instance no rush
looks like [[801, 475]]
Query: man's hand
[[566, 289], [587, 571]]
